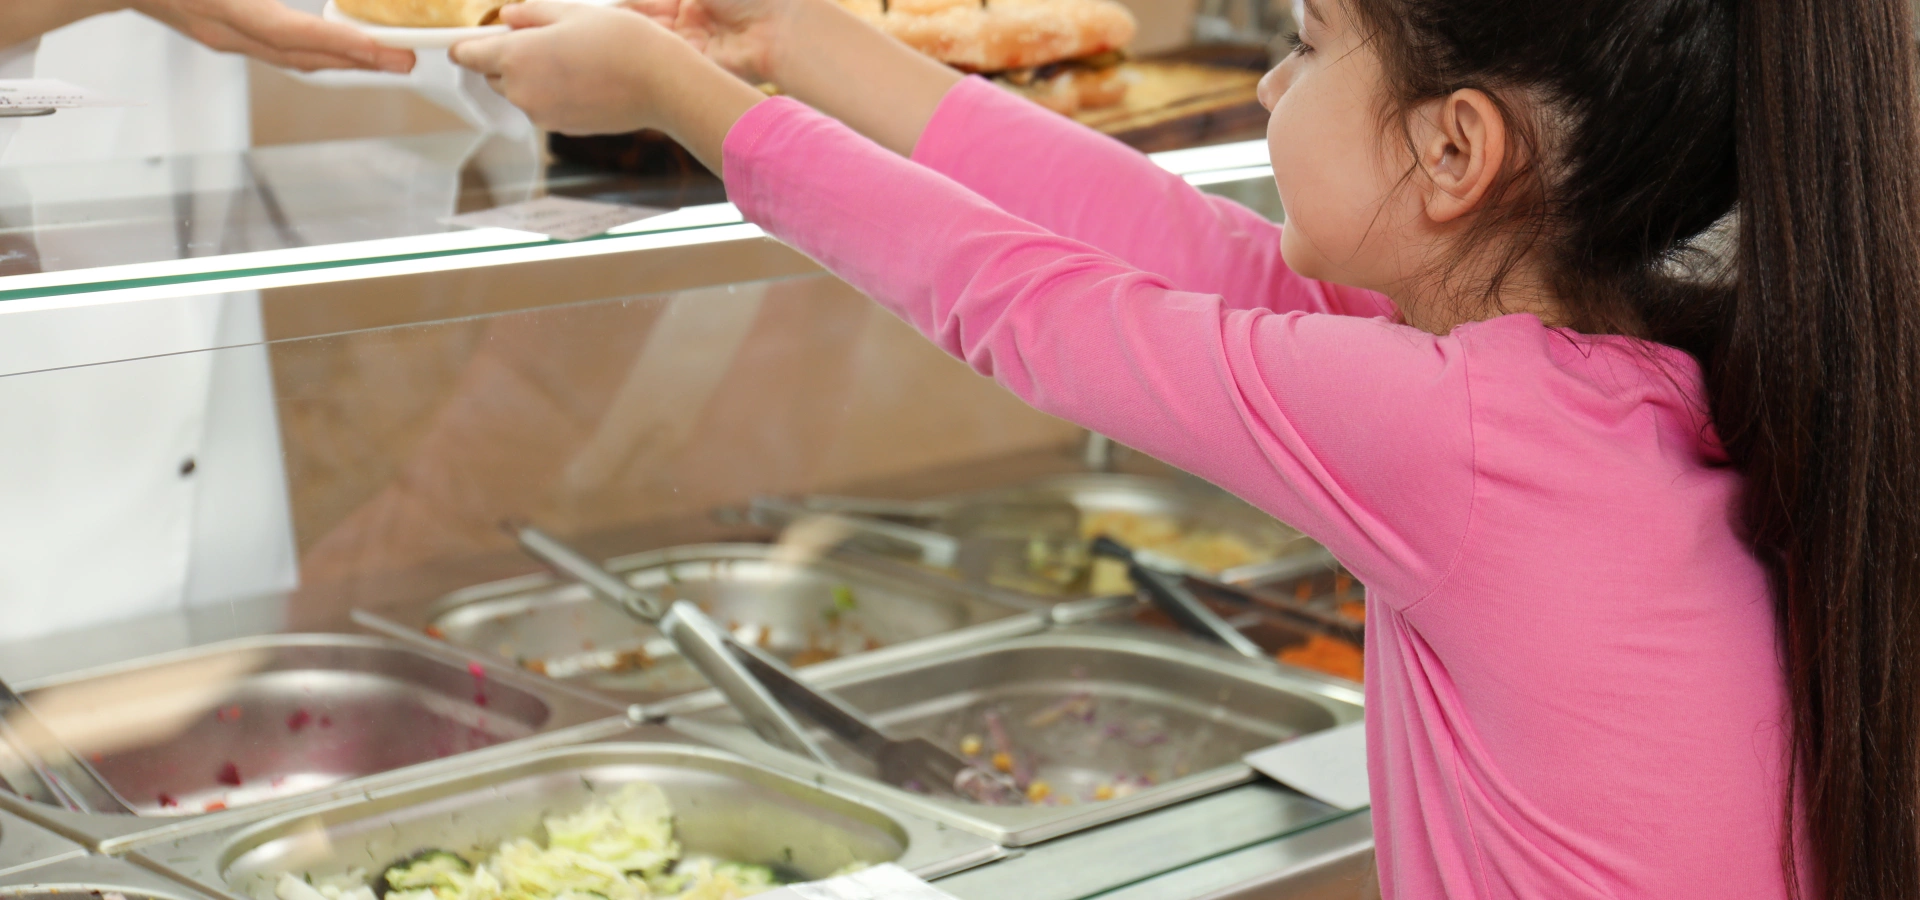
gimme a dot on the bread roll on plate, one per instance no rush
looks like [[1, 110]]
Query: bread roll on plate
[[424, 13]]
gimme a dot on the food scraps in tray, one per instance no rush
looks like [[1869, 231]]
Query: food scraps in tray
[[1080, 748], [839, 632], [622, 847], [1205, 550]]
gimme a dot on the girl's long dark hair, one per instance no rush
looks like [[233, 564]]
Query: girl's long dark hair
[[1791, 124]]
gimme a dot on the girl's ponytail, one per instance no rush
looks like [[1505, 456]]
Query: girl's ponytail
[[1813, 384]]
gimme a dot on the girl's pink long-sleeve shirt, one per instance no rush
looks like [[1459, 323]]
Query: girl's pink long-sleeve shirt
[[1572, 683]]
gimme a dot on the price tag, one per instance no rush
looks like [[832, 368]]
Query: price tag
[[49, 93], [561, 218], [888, 882], [1329, 766]]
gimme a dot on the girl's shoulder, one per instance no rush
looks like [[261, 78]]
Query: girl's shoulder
[[1519, 368]]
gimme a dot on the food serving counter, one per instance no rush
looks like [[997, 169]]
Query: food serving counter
[[346, 380]]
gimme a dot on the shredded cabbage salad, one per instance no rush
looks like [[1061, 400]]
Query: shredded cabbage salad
[[618, 848]]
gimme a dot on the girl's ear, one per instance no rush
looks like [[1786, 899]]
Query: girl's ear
[[1463, 151]]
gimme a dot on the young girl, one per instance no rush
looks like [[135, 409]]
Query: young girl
[[1641, 531]]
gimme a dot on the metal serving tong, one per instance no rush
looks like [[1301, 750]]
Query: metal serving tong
[[913, 763], [45, 771], [757, 685], [1173, 594]]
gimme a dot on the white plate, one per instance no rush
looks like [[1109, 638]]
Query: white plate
[[425, 38], [411, 38]]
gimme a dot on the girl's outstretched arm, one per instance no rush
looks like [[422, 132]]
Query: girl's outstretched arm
[[1033, 163], [1081, 184], [1354, 430]]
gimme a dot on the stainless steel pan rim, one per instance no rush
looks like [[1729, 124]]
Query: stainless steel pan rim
[[217, 861], [907, 608]]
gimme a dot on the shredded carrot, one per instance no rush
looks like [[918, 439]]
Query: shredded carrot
[[1325, 654]]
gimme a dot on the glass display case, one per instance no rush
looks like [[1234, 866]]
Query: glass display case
[[311, 647]]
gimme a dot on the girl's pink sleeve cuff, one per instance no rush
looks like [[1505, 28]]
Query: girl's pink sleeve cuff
[[737, 152]]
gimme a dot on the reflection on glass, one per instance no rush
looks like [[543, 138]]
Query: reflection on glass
[[56, 218]]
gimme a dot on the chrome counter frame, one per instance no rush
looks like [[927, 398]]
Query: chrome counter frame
[[1230, 846], [1255, 840], [574, 718]]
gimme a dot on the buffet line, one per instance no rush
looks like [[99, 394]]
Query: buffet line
[[548, 738]]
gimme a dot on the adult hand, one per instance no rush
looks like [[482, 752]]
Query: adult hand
[[737, 34], [580, 69], [274, 34]]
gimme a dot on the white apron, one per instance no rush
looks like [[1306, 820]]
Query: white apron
[[134, 489]]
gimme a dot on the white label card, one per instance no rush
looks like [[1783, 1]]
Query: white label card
[[1329, 766], [887, 882], [49, 93], [561, 218]]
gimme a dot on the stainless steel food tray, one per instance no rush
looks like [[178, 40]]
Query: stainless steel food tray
[[249, 727], [806, 610], [723, 805], [1153, 705], [93, 878], [1192, 505], [24, 844]]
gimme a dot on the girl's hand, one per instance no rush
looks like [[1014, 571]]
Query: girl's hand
[[576, 68], [737, 34], [580, 69]]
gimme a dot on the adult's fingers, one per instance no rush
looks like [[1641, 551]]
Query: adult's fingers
[[290, 32], [222, 37]]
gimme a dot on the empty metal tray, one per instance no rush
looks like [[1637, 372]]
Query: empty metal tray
[[723, 805], [804, 610], [1112, 722], [259, 722]]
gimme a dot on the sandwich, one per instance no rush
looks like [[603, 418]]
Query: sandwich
[[424, 13], [1063, 54]]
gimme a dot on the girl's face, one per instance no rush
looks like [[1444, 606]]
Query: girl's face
[[1337, 172]]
